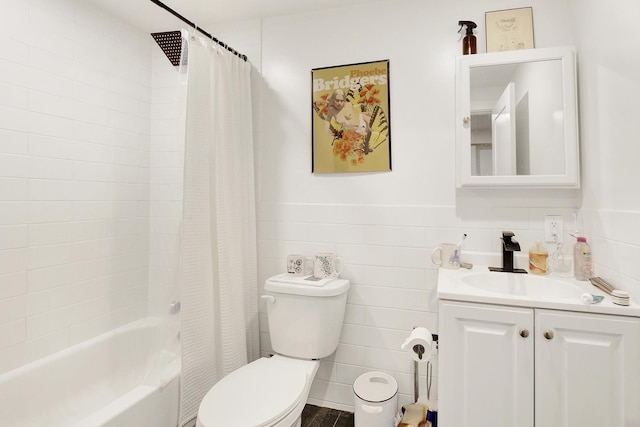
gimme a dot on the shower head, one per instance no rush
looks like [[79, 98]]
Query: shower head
[[171, 44]]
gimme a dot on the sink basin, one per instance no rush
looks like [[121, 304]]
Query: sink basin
[[524, 285]]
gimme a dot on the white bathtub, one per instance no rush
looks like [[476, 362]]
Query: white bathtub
[[109, 381]]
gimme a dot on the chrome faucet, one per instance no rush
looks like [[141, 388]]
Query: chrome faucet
[[509, 246]]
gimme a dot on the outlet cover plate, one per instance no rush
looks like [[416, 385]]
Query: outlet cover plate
[[553, 229]]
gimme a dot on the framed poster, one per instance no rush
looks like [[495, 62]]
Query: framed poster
[[350, 118], [509, 29]]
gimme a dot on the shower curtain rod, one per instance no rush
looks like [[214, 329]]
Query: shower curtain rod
[[186, 21]]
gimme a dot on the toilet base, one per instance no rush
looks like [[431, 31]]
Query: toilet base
[[223, 402]]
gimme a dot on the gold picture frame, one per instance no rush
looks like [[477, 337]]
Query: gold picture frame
[[509, 29], [350, 118]]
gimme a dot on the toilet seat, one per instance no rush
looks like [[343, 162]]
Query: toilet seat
[[258, 394]]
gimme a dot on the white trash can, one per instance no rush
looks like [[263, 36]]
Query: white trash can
[[376, 400]]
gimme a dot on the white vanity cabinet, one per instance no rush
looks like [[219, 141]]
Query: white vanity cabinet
[[503, 366]]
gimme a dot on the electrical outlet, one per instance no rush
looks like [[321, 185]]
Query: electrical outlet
[[553, 229]]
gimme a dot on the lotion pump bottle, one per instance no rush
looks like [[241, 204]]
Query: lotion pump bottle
[[469, 40], [582, 262]]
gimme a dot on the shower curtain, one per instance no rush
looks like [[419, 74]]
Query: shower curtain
[[219, 264]]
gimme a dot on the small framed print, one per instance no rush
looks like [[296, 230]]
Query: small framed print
[[509, 29]]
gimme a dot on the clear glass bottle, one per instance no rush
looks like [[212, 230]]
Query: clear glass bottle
[[582, 262]]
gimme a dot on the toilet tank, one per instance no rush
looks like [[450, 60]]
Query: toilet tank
[[305, 320]]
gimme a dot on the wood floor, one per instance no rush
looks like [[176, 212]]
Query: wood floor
[[316, 416]]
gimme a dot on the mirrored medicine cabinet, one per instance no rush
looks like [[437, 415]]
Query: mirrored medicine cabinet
[[517, 119]]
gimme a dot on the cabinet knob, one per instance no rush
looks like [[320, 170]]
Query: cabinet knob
[[466, 120], [548, 335], [524, 333]]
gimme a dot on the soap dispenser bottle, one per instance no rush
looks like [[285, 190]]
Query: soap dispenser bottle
[[582, 262], [538, 259]]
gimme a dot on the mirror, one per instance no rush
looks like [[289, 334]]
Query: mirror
[[516, 119]]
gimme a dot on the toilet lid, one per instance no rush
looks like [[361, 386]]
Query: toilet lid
[[257, 394]]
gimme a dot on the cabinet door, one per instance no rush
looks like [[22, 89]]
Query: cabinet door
[[587, 370], [485, 366]]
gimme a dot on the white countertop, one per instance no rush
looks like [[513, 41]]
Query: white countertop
[[452, 287]]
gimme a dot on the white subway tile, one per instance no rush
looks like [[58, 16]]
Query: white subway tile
[[12, 333], [326, 371], [85, 270], [394, 236], [46, 234], [371, 295], [90, 249], [46, 168], [331, 392], [166, 159], [13, 284], [166, 192], [51, 277], [85, 171], [45, 345], [395, 318], [47, 256], [50, 299], [13, 165], [347, 374], [12, 357], [63, 106], [350, 354], [12, 309], [167, 175], [129, 88], [131, 157], [130, 261], [366, 255], [46, 146], [129, 122], [14, 96], [13, 260], [144, 175], [34, 212], [68, 190], [137, 226], [13, 49], [13, 236], [13, 189], [104, 210], [88, 289], [411, 257], [125, 191], [13, 142], [391, 276], [168, 143], [47, 322], [372, 337], [354, 313], [389, 360]]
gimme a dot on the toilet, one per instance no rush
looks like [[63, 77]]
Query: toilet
[[305, 321]]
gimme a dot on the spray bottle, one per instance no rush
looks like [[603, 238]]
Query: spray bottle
[[469, 40]]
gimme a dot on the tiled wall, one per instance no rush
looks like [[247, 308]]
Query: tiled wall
[[74, 175], [168, 109], [383, 225], [386, 251]]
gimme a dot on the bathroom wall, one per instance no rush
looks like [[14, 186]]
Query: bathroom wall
[[384, 225], [609, 93], [166, 161], [74, 175]]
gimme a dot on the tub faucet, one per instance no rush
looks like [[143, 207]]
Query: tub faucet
[[509, 246]]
